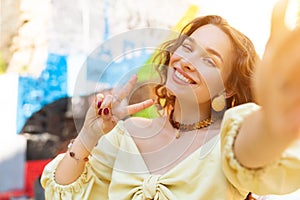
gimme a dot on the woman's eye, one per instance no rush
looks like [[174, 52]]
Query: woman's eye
[[187, 47], [209, 61]]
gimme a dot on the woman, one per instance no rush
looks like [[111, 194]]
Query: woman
[[178, 156]]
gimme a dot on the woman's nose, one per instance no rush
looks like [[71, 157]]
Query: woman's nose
[[187, 66]]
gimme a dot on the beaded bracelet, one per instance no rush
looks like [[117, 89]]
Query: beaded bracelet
[[72, 154]]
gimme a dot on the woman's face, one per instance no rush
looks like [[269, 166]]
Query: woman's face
[[201, 65]]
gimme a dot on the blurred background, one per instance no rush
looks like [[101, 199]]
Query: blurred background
[[44, 45]]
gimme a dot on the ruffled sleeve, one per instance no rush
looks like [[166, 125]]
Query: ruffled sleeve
[[94, 182], [279, 177]]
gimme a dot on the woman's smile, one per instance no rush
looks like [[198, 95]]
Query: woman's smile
[[181, 77]]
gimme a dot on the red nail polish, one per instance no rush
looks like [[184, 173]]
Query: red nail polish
[[100, 112], [105, 111], [99, 104]]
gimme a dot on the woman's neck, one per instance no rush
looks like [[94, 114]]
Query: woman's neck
[[191, 113]]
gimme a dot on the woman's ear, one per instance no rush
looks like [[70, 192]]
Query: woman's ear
[[230, 99], [229, 94]]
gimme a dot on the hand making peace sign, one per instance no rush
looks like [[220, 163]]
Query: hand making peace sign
[[108, 109]]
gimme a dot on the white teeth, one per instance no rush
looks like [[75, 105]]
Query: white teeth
[[181, 77]]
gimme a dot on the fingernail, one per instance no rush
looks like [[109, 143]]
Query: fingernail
[[99, 104], [105, 111], [100, 112]]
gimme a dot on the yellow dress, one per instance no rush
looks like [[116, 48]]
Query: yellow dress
[[117, 171]]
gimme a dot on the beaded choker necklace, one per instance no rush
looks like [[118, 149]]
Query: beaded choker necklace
[[188, 127]]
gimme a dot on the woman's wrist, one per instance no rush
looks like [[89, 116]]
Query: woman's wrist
[[79, 154], [89, 139], [71, 167]]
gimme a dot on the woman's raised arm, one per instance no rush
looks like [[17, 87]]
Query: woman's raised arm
[[101, 117], [265, 134]]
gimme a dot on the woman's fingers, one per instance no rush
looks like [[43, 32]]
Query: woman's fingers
[[278, 17], [104, 106], [277, 81], [271, 65], [110, 109], [107, 101], [98, 100], [278, 27], [121, 93], [134, 108]]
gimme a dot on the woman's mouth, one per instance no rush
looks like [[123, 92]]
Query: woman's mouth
[[183, 78]]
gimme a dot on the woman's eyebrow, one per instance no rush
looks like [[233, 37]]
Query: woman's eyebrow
[[212, 51], [192, 40], [207, 50]]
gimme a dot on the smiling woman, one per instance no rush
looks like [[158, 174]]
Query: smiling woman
[[229, 152]]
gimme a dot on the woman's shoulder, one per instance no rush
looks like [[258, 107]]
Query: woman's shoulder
[[141, 121], [248, 105], [138, 122], [139, 126], [242, 109]]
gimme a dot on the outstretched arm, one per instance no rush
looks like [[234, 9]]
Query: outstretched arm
[[266, 133]]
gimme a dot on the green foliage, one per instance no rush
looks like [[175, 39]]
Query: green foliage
[[3, 65], [150, 112]]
